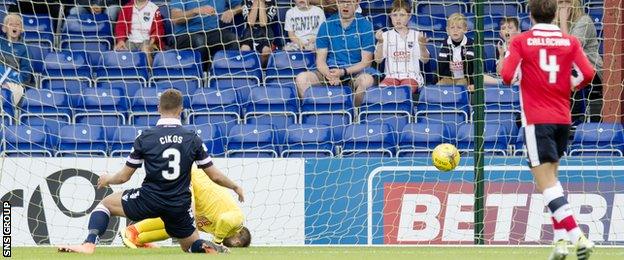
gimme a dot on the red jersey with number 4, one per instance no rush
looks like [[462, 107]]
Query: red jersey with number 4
[[543, 59]]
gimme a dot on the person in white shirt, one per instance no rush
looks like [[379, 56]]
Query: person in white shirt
[[140, 28], [402, 48], [302, 24]]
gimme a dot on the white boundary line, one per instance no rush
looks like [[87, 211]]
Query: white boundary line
[[378, 170]]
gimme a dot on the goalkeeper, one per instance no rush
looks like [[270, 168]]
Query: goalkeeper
[[216, 213]]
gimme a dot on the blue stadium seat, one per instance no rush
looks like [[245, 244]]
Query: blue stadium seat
[[123, 64], [68, 72], [144, 107], [307, 141], [368, 140], [256, 141], [106, 107], [502, 106], [8, 112], [430, 69], [128, 86], [82, 140], [489, 61], [242, 86], [376, 6], [165, 12], [284, 66], [501, 8], [215, 107], [387, 105], [433, 26], [598, 139], [41, 104], [274, 105], [329, 106], [36, 55], [177, 64], [443, 104], [211, 137], [525, 21], [22, 140], [596, 12], [419, 139], [236, 64], [380, 21], [86, 28], [121, 139], [38, 29], [441, 9], [187, 86], [495, 142]]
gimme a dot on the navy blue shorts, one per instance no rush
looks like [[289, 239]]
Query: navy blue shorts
[[546, 143], [179, 222]]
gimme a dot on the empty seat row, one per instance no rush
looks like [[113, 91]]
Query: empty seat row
[[302, 140]]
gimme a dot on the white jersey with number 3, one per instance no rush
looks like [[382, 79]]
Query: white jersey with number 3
[[402, 55]]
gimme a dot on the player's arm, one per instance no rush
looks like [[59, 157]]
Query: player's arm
[[133, 162], [204, 162], [511, 62], [219, 178], [585, 70]]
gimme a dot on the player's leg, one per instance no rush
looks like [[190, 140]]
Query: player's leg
[[142, 233], [180, 225], [98, 221]]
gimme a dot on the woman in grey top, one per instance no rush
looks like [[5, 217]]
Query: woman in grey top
[[572, 19]]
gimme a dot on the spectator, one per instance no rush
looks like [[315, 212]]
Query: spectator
[[403, 48], [509, 27], [330, 7], [572, 20], [110, 7], [196, 25], [140, 27], [456, 54], [345, 44], [302, 25], [259, 14], [14, 65]]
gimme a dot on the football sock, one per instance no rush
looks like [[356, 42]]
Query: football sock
[[152, 236], [561, 211], [98, 221], [559, 232], [149, 224], [196, 247]]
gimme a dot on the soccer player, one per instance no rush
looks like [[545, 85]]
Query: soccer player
[[543, 58], [168, 151], [216, 213]]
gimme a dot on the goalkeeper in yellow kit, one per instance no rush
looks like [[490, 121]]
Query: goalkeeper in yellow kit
[[216, 213]]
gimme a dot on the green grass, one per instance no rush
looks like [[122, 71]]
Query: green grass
[[316, 253]]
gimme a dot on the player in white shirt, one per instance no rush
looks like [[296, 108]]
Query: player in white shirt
[[402, 48], [302, 24]]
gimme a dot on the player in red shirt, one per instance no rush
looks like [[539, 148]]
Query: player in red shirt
[[543, 59]]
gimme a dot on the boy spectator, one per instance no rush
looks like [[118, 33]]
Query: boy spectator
[[456, 54], [402, 48], [259, 14], [196, 25], [345, 44], [14, 63], [509, 27], [302, 25], [140, 27]]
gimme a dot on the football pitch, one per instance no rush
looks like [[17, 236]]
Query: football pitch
[[386, 253]]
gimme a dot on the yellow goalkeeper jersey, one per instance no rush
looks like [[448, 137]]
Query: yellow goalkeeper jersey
[[216, 210]]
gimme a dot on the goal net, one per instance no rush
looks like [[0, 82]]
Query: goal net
[[323, 159]]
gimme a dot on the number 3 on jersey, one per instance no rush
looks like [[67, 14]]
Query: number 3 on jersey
[[174, 164], [549, 65]]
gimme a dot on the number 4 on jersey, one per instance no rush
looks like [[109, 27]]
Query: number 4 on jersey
[[549, 65]]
